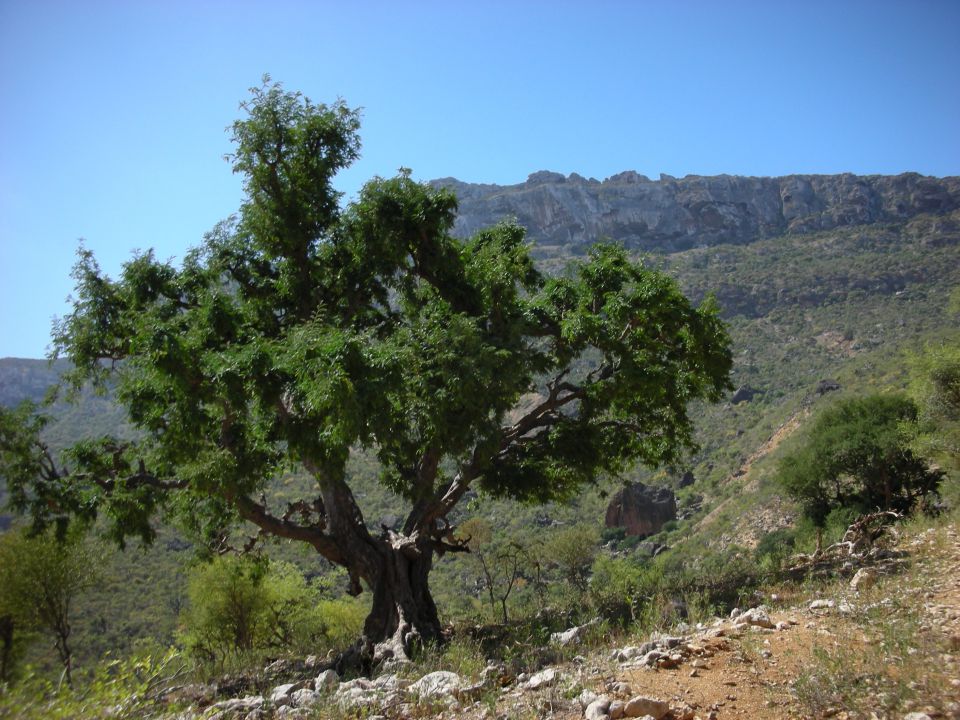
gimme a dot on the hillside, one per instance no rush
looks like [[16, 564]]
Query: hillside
[[836, 289]]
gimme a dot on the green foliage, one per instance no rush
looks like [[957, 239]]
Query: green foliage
[[856, 455], [129, 688], [300, 332], [41, 578], [240, 608], [573, 549], [935, 386]]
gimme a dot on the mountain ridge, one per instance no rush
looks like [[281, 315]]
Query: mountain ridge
[[565, 214]]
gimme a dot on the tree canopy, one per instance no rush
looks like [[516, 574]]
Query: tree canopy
[[857, 454], [301, 330]]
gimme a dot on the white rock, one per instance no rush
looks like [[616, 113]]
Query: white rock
[[641, 705], [916, 716], [389, 682], [358, 684], [281, 693], [542, 679], [326, 681], [783, 625], [357, 696], [617, 709], [627, 653], [303, 698], [251, 702], [597, 710], [822, 604], [586, 697], [441, 682], [755, 616], [286, 712]]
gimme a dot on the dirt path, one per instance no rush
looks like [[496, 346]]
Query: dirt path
[[885, 650]]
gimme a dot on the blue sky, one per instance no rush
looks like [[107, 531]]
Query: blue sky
[[113, 114]]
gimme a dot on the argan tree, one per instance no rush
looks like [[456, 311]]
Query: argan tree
[[301, 331]]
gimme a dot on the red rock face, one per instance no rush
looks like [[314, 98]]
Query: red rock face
[[641, 509]]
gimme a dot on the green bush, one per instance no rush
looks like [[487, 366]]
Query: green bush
[[242, 609]]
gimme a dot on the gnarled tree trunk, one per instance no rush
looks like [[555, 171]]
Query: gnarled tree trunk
[[403, 616]]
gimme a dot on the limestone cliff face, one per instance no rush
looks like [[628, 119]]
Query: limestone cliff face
[[675, 214], [641, 509]]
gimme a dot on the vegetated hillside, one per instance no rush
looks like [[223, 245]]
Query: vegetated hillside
[[840, 304]]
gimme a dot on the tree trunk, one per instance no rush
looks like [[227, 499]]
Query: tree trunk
[[403, 616], [6, 647]]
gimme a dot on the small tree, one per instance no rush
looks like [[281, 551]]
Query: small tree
[[856, 454], [573, 549], [40, 579], [242, 605], [936, 389], [300, 332]]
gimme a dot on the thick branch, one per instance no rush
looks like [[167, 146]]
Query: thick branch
[[257, 514]]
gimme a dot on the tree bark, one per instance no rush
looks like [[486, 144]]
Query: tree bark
[[403, 616]]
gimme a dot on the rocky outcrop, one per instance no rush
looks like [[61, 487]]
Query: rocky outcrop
[[672, 214], [641, 509]]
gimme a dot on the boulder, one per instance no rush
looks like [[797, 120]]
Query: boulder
[[597, 710], [326, 681], [641, 509], [641, 705], [827, 386], [303, 698], [542, 679], [281, 693], [436, 684], [744, 393], [755, 616]]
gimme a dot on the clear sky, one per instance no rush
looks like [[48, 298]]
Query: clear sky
[[113, 114]]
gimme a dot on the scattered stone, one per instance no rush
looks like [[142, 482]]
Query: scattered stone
[[437, 684], [326, 681], [755, 616], [620, 688], [700, 664], [864, 579], [628, 653], [597, 710], [651, 658], [236, 705], [617, 709], [303, 698], [822, 604], [586, 697], [641, 705], [916, 716], [286, 712], [280, 695], [542, 679], [783, 625]]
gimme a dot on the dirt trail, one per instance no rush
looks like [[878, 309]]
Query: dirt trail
[[894, 642]]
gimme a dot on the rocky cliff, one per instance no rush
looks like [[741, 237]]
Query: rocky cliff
[[678, 213]]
